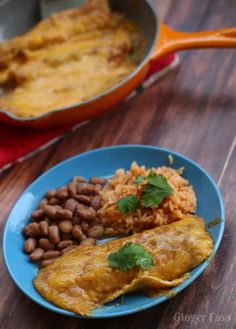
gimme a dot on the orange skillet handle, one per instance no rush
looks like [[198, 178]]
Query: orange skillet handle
[[170, 40]]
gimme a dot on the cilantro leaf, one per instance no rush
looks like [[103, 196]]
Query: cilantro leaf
[[145, 262], [152, 178], [150, 197], [129, 256], [124, 259], [156, 190], [127, 204], [139, 180]]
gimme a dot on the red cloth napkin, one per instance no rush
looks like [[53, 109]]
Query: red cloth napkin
[[18, 143]]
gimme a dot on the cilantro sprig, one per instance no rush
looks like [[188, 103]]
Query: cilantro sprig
[[156, 190], [139, 180], [127, 204], [152, 194], [129, 256]]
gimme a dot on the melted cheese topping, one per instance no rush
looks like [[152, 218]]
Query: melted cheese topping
[[70, 57]]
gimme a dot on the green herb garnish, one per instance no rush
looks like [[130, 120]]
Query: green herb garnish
[[214, 222], [156, 190], [139, 180], [128, 204], [153, 178], [129, 256]]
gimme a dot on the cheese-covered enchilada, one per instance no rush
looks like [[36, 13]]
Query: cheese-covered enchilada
[[82, 279]]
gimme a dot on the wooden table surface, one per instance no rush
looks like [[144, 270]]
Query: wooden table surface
[[192, 111]]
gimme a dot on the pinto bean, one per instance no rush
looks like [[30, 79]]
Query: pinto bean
[[51, 254], [72, 189], [85, 199], [64, 244], [46, 244], [32, 230], [82, 188], [53, 201], [51, 194], [44, 227], [46, 262], [29, 245], [51, 211], [70, 205], [54, 234], [64, 214], [66, 226], [88, 242], [37, 214], [90, 189], [62, 193], [80, 206], [85, 188], [87, 213], [97, 180], [95, 231], [78, 233], [96, 202], [36, 254]]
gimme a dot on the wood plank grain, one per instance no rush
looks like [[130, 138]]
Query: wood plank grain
[[192, 111]]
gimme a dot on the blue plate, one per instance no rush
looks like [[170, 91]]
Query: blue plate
[[103, 162]]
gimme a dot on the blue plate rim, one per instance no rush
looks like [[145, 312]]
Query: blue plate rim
[[177, 289]]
